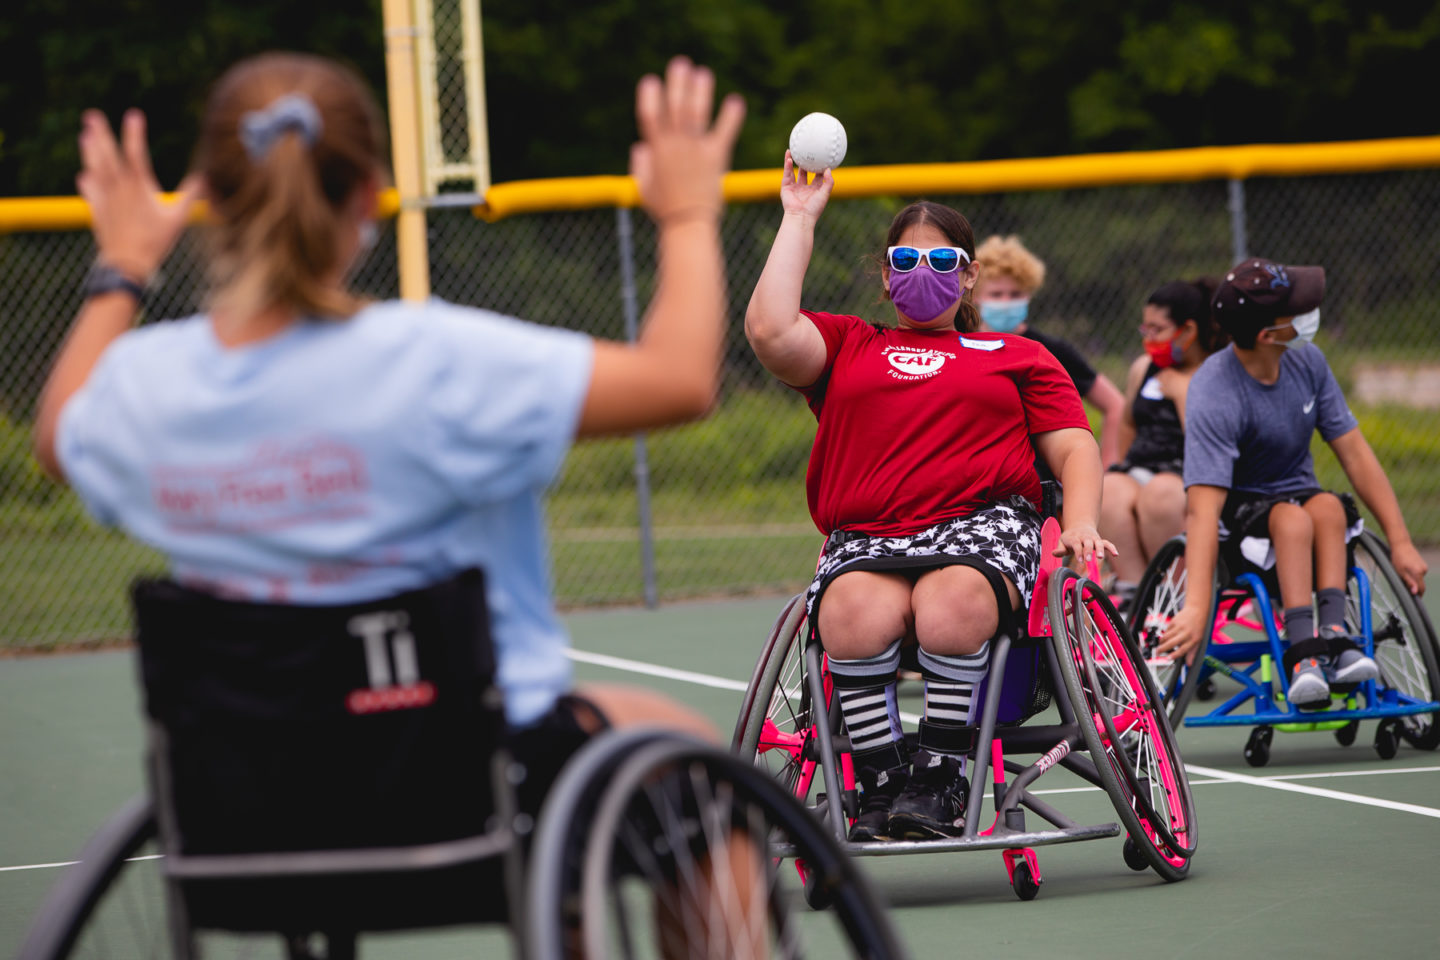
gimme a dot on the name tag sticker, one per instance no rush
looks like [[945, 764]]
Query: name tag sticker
[[981, 344], [1152, 390]]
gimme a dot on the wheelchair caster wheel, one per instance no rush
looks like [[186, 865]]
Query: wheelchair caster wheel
[[1257, 748], [1134, 859], [1345, 736], [1387, 740], [1023, 883], [1205, 689], [817, 895]]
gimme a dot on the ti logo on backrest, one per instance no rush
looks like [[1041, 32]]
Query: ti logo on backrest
[[391, 663]]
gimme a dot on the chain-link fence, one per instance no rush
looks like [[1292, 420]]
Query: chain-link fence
[[724, 500]]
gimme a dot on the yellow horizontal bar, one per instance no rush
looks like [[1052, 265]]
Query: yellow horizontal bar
[[36, 214], [936, 179], [997, 176]]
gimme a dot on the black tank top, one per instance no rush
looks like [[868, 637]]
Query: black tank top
[[1159, 443]]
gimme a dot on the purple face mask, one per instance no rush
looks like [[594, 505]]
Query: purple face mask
[[922, 294]]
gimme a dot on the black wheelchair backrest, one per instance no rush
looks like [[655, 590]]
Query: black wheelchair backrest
[[279, 728]]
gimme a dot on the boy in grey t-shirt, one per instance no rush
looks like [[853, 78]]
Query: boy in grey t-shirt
[[1249, 478]]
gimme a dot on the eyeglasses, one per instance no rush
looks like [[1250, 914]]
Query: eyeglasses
[[941, 259], [1154, 333]]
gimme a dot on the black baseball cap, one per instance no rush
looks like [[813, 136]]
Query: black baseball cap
[[1257, 289]]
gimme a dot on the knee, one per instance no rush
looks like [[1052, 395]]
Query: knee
[[1117, 495], [1290, 523], [856, 623], [1162, 499], [1326, 512], [960, 622]]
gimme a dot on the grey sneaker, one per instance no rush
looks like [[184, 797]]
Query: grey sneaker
[[1346, 663], [1308, 686]]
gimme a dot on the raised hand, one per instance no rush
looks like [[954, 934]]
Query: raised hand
[[682, 156], [800, 193], [134, 227]]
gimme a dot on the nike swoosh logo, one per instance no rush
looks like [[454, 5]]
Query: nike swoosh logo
[[1310, 406]]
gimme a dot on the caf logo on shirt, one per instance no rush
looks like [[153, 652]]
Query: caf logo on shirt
[[908, 363]]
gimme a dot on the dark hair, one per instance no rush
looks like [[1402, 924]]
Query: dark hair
[[957, 230], [1190, 300], [277, 215], [1243, 328]]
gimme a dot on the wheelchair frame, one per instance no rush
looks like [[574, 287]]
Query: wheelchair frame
[[1089, 650], [631, 803], [1404, 699]]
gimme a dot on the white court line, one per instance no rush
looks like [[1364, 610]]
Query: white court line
[[71, 863], [1273, 783], [655, 670], [1314, 791]]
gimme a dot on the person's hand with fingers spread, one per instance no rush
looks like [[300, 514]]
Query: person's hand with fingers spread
[[681, 157], [134, 226], [799, 197]]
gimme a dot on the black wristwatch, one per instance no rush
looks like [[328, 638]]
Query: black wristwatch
[[103, 278]]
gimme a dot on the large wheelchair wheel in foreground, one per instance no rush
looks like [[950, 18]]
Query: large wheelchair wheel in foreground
[[677, 856], [1158, 598], [112, 902], [1123, 723], [1405, 643]]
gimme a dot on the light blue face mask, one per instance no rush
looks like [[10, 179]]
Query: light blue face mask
[[1304, 326], [1003, 316]]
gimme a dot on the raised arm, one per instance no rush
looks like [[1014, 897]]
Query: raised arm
[[671, 374], [1370, 481], [134, 230], [786, 343]]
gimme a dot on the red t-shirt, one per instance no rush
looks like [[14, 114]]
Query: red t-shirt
[[916, 427]]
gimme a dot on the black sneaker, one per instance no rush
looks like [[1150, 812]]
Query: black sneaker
[[879, 788], [933, 802]]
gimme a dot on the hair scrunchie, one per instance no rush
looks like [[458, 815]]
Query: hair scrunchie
[[292, 113]]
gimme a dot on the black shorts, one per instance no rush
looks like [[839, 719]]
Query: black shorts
[[1245, 525], [544, 747]]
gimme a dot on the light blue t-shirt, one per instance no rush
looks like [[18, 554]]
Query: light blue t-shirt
[[1253, 437], [342, 461]]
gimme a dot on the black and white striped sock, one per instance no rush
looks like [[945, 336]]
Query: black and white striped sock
[[867, 698]]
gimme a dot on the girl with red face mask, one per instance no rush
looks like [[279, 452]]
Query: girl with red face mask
[[1144, 499]]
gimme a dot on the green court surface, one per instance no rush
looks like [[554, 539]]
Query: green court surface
[[1326, 852]]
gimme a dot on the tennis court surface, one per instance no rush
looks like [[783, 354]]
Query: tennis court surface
[[1328, 851]]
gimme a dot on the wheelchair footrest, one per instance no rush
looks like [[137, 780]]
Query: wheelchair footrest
[[1276, 717], [999, 840]]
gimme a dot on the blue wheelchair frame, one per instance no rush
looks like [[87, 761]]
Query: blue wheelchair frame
[[1261, 657]]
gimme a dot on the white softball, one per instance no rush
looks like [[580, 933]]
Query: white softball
[[817, 142]]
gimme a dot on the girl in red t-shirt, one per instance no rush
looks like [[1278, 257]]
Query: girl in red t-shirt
[[922, 477]]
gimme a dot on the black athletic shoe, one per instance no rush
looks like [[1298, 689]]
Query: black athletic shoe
[[933, 802], [879, 788]]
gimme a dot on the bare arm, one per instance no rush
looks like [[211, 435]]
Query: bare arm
[[785, 342], [1111, 403], [1186, 632], [134, 231], [1371, 483], [1125, 432], [1072, 455], [671, 373]]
